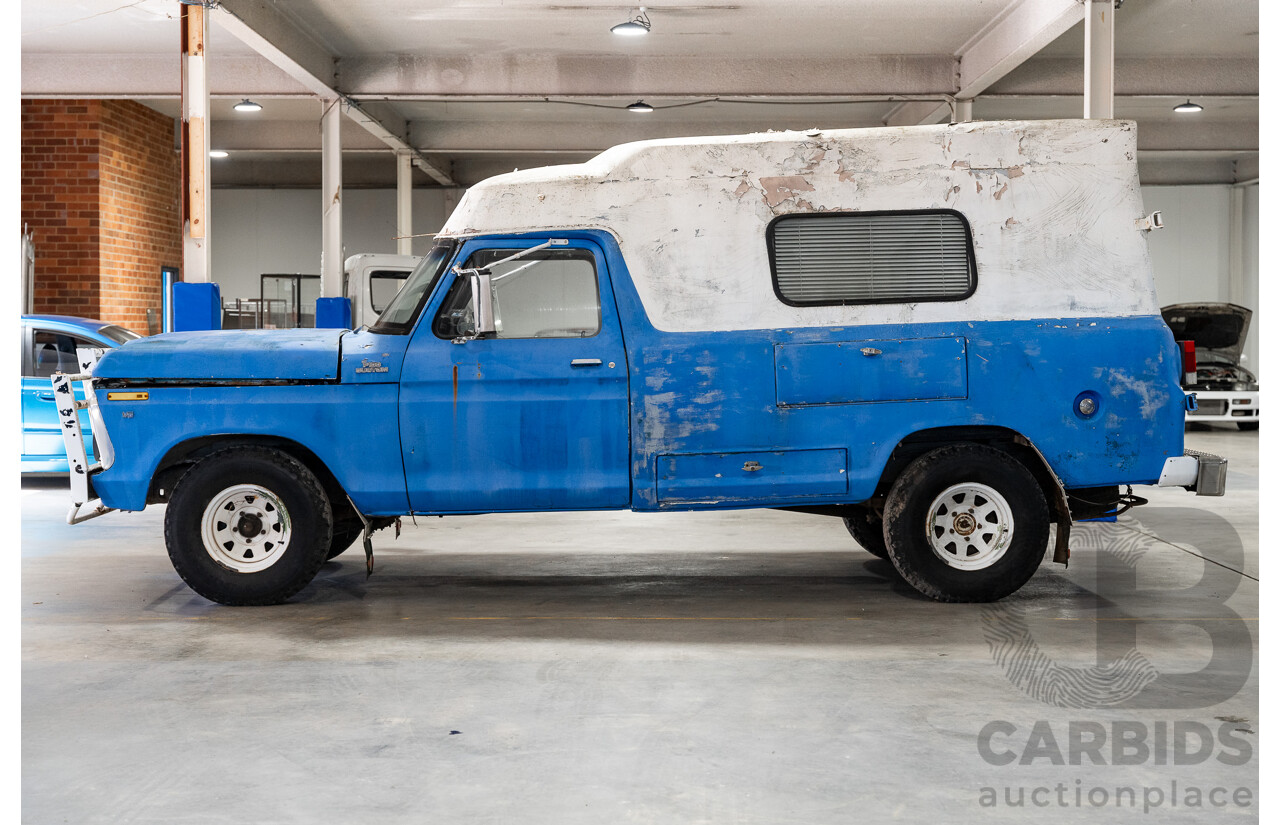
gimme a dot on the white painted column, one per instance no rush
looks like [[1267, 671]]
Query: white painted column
[[331, 188], [195, 146], [404, 203], [1099, 59], [1235, 250]]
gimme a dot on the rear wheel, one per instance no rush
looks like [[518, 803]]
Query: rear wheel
[[867, 530], [966, 523], [248, 526]]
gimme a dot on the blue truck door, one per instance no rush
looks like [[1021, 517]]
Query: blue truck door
[[533, 418]]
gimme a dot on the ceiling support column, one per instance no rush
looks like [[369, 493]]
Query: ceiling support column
[[1235, 249], [331, 188], [404, 203], [963, 111], [1099, 59], [195, 146]]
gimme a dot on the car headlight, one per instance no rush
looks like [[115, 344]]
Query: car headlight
[[1244, 386]]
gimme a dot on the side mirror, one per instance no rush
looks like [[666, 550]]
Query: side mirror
[[482, 304]]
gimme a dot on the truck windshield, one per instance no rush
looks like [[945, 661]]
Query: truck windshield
[[399, 316]]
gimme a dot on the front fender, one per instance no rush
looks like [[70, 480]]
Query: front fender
[[353, 430]]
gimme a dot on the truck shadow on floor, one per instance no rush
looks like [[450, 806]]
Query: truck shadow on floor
[[793, 598]]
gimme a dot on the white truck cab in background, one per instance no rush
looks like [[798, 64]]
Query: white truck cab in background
[[370, 280]]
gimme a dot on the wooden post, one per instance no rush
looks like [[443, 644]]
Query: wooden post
[[195, 146]]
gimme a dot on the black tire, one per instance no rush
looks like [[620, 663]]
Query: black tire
[[262, 489], [1247, 426], [976, 471], [867, 530], [345, 534]]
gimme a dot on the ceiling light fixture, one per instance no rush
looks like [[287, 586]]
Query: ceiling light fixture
[[640, 107], [1188, 108], [217, 153], [247, 105], [635, 27]]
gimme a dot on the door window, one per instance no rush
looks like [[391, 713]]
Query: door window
[[55, 352], [383, 286], [552, 293]]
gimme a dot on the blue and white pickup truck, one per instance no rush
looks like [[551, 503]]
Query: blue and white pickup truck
[[946, 335]]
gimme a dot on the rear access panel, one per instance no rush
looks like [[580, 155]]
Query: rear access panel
[[851, 372], [754, 476]]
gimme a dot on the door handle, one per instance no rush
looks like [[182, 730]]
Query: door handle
[[870, 351], [45, 396], [585, 362]]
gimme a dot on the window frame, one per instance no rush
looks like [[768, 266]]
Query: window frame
[[29, 367], [771, 229], [386, 274], [451, 247], [459, 281]]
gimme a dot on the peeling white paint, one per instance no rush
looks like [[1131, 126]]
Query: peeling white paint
[[1051, 205], [1152, 397]]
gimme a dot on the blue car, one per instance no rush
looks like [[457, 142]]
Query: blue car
[[49, 345]]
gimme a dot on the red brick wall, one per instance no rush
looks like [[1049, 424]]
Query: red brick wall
[[60, 202], [140, 185], [100, 190]]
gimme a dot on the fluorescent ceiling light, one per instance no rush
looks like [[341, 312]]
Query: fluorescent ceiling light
[[640, 107], [247, 105], [635, 27], [1188, 107], [217, 153]]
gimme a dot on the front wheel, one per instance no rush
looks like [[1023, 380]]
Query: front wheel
[[966, 523], [248, 526]]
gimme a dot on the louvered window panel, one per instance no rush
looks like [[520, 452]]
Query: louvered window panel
[[872, 258]]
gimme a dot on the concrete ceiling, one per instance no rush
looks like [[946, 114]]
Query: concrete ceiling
[[483, 86]]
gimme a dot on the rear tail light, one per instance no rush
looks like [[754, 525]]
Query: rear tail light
[[1188, 361]]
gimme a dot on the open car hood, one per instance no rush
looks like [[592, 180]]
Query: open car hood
[[227, 355], [1219, 330]]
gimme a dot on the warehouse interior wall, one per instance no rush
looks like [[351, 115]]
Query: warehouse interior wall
[[1192, 256], [101, 182], [277, 231]]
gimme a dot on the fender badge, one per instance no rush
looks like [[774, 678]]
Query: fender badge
[[370, 366]]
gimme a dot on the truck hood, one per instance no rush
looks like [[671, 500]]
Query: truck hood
[[1219, 330], [227, 355]]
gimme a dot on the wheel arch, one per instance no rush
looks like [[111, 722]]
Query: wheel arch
[[1017, 445], [186, 454]]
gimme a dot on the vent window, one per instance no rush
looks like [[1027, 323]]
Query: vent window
[[871, 258]]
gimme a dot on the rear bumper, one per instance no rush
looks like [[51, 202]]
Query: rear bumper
[[1201, 473]]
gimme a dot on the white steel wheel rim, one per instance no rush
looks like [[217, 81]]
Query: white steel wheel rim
[[970, 526], [245, 528]]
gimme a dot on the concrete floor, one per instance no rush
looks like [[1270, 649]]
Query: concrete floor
[[601, 668]]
